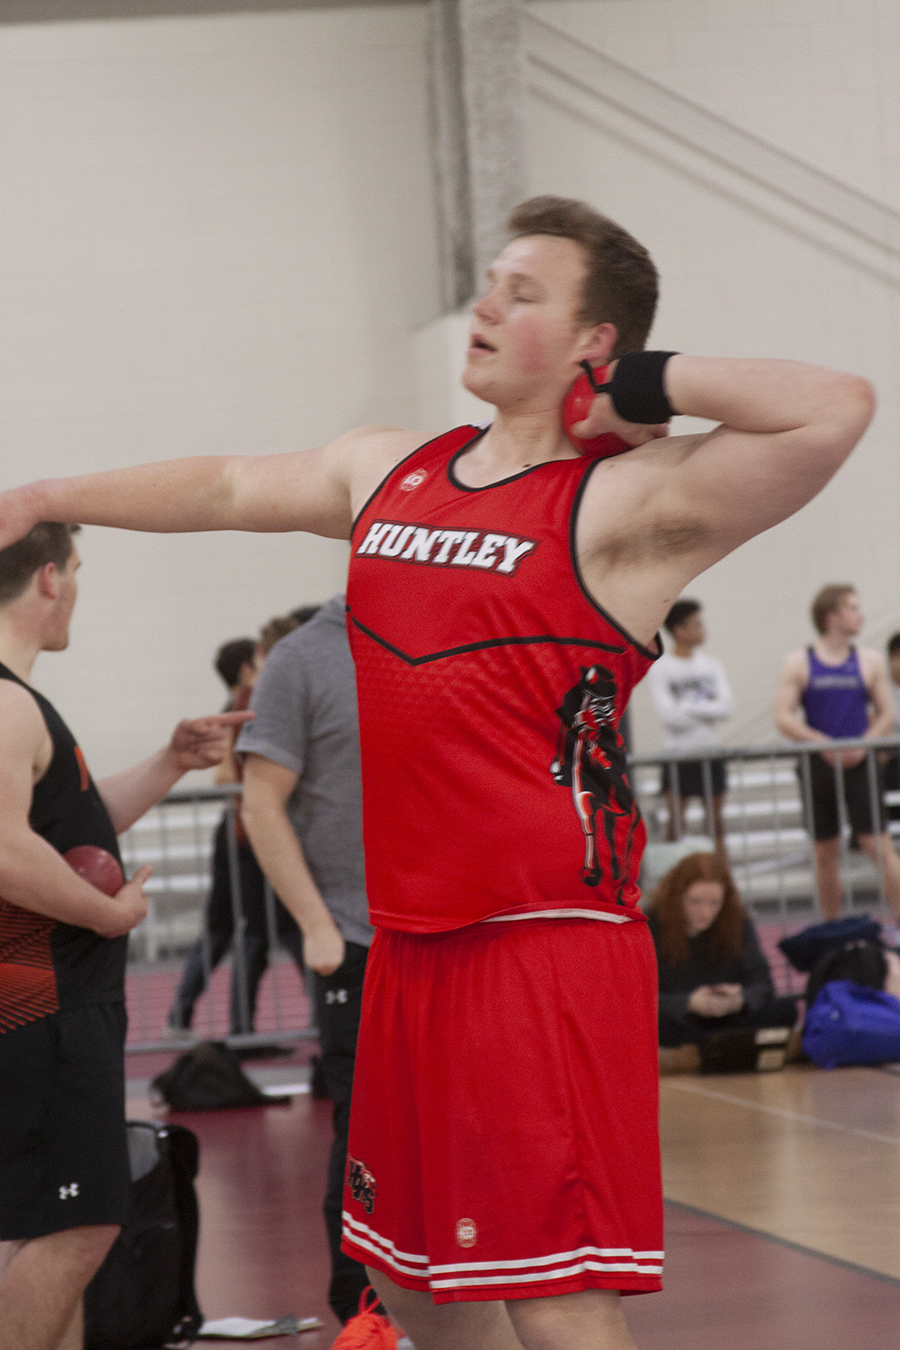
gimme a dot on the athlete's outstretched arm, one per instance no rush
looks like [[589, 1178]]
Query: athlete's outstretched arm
[[312, 490]]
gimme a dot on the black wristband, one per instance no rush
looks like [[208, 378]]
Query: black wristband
[[636, 388]]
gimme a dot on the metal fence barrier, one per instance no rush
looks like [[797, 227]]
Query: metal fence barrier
[[766, 838], [177, 838]]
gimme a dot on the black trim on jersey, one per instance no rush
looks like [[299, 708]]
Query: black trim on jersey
[[481, 646], [501, 482], [479, 431], [576, 568]]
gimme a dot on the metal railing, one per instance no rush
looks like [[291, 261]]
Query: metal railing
[[765, 821], [179, 837]]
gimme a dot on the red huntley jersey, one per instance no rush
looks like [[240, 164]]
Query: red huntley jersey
[[490, 691]]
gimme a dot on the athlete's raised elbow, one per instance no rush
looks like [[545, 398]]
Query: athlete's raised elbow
[[857, 401]]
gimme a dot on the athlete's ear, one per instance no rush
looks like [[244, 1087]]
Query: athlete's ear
[[48, 580], [599, 344]]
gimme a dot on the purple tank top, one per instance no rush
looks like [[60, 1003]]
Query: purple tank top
[[836, 697]]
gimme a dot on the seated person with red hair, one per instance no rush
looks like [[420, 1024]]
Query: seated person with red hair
[[713, 974]]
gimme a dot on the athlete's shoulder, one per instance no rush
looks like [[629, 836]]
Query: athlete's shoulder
[[23, 730], [871, 661], [797, 665], [370, 453]]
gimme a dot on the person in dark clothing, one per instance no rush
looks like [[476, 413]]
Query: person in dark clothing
[[236, 914], [713, 974], [64, 1176]]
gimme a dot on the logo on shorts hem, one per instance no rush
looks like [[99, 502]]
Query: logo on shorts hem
[[466, 1233], [68, 1192], [362, 1184]]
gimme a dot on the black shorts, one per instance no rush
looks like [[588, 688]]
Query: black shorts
[[821, 805], [687, 778], [63, 1149]]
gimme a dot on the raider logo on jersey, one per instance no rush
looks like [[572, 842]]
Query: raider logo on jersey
[[590, 760], [362, 1184]]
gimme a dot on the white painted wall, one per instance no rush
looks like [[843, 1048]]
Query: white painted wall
[[217, 236], [744, 275]]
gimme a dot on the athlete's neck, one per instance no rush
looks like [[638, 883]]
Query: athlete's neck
[[513, 443], [18, 649], [833, 648]]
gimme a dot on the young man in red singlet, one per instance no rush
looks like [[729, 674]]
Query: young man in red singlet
[[845, 692], [504, 596]]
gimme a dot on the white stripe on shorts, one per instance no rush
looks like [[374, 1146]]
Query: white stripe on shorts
[[601, 914], [373, 1242], [534, 1270]]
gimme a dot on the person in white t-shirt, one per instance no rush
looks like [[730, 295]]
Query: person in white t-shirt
[[691, 695]]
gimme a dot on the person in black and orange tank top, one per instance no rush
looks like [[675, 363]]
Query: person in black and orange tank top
[[845, 693], [63, 1158], [503, 600]]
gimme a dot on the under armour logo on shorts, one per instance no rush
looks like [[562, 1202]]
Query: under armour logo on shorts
[[336, 996], [68, 1192]]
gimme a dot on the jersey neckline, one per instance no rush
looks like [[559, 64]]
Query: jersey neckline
[[501, 482]]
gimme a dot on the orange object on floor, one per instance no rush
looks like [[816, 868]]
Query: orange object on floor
[[368, 1330]]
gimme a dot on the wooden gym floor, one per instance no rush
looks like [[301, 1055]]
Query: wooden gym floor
[[782, 1216]]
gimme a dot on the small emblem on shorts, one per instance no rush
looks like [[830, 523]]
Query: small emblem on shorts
[[413, 480], [362, 1184], [336, 996], [68, 1192], [466, 1233]]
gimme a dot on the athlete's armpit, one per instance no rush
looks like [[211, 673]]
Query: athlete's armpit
[[652, 541]]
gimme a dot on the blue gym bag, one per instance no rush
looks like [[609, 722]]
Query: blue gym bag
[[852, 1024]]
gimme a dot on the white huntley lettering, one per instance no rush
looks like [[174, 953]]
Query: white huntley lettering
[[445, 548]]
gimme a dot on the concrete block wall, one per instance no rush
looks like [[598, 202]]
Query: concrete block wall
[[217, 237], [744, 273]]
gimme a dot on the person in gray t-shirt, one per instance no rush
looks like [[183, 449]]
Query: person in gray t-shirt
[[303, 813]]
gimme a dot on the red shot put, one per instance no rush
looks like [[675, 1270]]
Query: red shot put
[[98, 866]]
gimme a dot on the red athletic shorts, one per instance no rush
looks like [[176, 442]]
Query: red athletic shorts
[[504, 1136]]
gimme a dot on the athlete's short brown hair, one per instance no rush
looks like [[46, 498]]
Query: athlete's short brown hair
[[47, 542], [828, 601], [621, 285]]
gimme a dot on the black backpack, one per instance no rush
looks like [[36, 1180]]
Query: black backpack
[[142, 1297], [208, 1077]]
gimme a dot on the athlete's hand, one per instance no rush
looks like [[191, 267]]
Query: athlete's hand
[[17, 514], [604, 418], [202, 742], [323, 949], [128, 906]]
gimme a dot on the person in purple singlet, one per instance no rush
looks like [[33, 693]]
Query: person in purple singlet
[[843, 692]]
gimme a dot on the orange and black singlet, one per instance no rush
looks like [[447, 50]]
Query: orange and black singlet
[[47, 966], [490, 689]]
